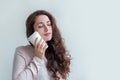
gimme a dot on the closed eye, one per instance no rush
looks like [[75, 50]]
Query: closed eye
[[40, 26], [48, 24]]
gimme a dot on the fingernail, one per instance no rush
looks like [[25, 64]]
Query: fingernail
[[47, 46]]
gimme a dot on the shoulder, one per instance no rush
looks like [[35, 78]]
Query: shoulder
[[23, 47], [24, 50]]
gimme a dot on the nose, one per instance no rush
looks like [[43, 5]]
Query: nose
[[46, 28]]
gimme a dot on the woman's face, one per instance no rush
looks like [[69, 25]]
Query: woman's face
[[43, 26]]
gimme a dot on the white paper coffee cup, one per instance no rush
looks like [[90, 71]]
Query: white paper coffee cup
[[33, 37]]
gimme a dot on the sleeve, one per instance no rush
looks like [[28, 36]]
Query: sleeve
[[21, 71]]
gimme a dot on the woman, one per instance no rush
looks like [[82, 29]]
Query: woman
[[39, 61]]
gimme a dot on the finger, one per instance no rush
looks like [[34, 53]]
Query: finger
[[35, 43], [45, 47], [39, 43], [43, 44]]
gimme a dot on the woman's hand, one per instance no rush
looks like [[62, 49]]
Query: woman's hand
[[40, 48]]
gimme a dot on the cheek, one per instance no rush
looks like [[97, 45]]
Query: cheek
[[36, 29], [51, 30], [41, 33]]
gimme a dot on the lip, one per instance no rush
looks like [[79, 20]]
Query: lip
[[47, 34]]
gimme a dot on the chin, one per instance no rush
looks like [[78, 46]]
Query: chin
[[48, 39]]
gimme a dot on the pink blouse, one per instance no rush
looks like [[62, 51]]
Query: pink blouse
[[28, 67]]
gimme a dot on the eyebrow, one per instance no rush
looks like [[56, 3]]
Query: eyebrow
[[42, 22]]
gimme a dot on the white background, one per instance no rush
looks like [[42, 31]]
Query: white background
[[91, 30]]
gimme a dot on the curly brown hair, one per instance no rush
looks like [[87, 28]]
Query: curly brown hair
[[57, 56]]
